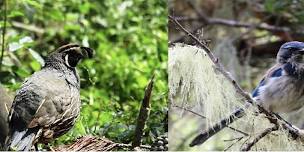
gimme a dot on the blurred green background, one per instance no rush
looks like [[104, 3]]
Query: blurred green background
[[130, 40]]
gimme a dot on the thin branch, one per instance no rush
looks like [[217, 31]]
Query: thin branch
[[219, 66], [233, 139], [188, 110], [233, 23], [31, 28], [239, 131], [249, 145], [237, 140], [3, 31], [182, 37], [206, 20], [278, 121], [143, 114]]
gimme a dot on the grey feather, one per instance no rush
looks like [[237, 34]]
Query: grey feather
[[22, 140]]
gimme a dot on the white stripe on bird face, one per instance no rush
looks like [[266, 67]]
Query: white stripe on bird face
[[66, 58]]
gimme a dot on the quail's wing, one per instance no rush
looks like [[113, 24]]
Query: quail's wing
[[43, 98]]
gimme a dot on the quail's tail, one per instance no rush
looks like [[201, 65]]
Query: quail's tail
[[201, 138], [21, 140]]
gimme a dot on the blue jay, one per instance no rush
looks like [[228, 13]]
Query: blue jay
[[280, 91]]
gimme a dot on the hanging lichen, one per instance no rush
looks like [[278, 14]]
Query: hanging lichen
[[195, 84]]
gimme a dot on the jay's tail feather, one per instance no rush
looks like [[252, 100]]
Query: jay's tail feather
[[21, 140]]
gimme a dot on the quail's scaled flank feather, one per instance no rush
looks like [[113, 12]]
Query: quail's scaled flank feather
[[48, 102]]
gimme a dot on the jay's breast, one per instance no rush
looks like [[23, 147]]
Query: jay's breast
[[282, 95]]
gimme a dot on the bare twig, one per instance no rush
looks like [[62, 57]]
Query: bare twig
[[278, 121], [143, 114], [3, 31], [234, 23], [239, 131], [182, 37], [206, 20], [248, 146], [219, 66], [188, 110], [31, 28], [233, 139], [237, 140]]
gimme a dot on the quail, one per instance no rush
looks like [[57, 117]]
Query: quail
[[6, 100], [48, 102]]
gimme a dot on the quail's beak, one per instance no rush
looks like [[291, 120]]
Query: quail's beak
[[87, 52]]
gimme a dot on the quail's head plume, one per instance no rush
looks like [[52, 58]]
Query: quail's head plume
[[48, 102], [68, 55]]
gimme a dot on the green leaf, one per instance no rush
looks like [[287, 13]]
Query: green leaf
[[35, 65], [15, 13], [37, 56], [33, 3]]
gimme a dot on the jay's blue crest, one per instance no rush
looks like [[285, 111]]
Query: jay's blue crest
[[280, 90]]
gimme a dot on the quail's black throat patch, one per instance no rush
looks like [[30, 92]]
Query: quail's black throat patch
[[72, 59]]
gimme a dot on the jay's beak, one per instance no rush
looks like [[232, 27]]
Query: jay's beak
[[302, 51]]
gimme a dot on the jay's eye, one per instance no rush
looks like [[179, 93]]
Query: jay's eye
[[291, 48]]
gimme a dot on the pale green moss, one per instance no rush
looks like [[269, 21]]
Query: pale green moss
[[194, 83]]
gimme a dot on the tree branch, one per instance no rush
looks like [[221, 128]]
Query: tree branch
[[237, 140], [207, 20], [233, 23], [31, 28], [278, 121], [3, 31], [143, 114], [249, 145]]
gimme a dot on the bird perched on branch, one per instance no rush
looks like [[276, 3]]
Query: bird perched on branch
[[280, 91], [48, 102]]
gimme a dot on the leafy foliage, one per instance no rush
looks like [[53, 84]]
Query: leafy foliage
[[289, 9], [130, 40]]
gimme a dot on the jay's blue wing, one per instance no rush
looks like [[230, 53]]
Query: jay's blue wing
[[255, 92], [273, 73]]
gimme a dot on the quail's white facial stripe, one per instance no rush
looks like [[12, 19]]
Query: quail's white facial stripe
[[66, 59]]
